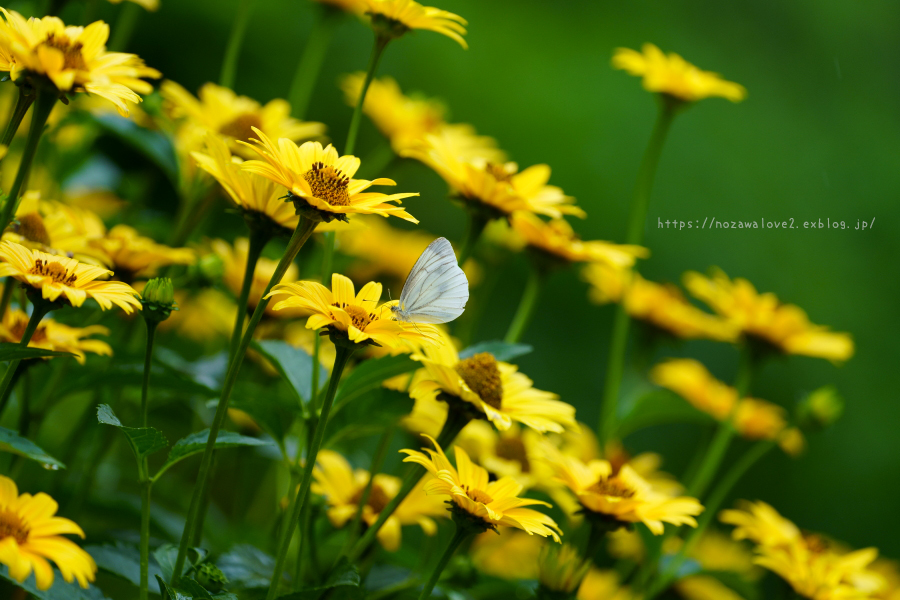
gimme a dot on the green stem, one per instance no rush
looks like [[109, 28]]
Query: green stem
[[455, 422], [44, 101], [327, 261], [41, 308], [381, 43], [23, 103], [595, 539], [9, 287], [310, 64], [340, 361], [459, 536], [301, 234], [146, 486], [145, 384], [615, 368], [124, 28], [377, 462], [477, 223], [527, 305], [258, 241], [235, 41]]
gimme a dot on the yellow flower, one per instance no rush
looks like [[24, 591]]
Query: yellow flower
[[499, 188], [762, 317], [395, 17], [30, 534], [561, 568], [58, 337], [758, 420], [557, 239], [73, 58], [494, 503], [603, 585], [234, 261], [59, 276], [514, 453], [622, 497], [205, 317], [323, 179], [56, 228], [674, 76], [495, 389], [150, 5], [220, 111], [689, 379], [507, 553], [135, 256], [357, 315], [249, 192], [814, 567], [659, 305], [343, 487], [717, 552]]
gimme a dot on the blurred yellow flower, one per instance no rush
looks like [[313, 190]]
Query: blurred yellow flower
[[492, 388], [343, 487], [58, 337], [604, 585], [764, 318], [73, 58], [757, 419], [30, 534], [689, 379], [675, 76], [494, 503], [234, 261], [561, 569], [323, 179], [359, 316], [393, 18], [59, 276], [507, 553], [251, 193], [206, 317], [515, 453], [135, 256], [56, 228]]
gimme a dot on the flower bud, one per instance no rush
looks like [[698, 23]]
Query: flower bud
[[158, 299], [821, 408]]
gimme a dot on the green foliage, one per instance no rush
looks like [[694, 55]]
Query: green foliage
[[60, 590], [152, 144], [12, 442], [503, 351], [370, 375], [370, 414], [125, 561], [343, 575], [121, 374], [246, 567], [10, 352], [144, 441], [196, 442], [659, 407], [293, 364]]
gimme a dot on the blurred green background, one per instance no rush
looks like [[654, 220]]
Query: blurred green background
[[817, 138]]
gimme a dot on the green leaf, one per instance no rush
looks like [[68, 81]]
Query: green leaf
[[167, 554], [10, 351], [658, 407], [12, 442], [370, 414], [125, 561], [152, 144], [370, 375], [274, 412], [196, 443], [293, 364], [144, 440], [60, 590], [246, 567], [501, 350], [162, 378], [343, 574]]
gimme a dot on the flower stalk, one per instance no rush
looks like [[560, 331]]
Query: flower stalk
[[304, 228], [23, 102], [235, 42], [461, 534], [527, 305], [310, 64], [259, 238], [40, 309], [381, 42], [474, 228]]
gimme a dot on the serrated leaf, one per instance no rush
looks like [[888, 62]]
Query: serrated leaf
[[60, 590], [247, 567], [500, 350], [125, 561], [343, 575], [196, 443], [154, 145], [12, 442], [144, 440], [167, 554], [369, 375], [293, 364], [658, 407], [163, 378], [10, 351]]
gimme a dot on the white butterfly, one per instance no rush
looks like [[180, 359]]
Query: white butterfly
[[436, 289]]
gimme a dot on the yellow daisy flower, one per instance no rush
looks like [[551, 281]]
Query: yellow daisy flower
[[323, 179], [496, 390], [343, 487], [604, 585], [662, 306], [135, 256], [765, 319], [623, 497], [757, 419], [689, 379], [494, 503], [507, 553], [234, 262], [674, 76], [516, 452], [359, 316], [58, 337], [30, 534], [55, 228], [150, 5], [219, 110], [73, 58], [59, 276], [393, 18]]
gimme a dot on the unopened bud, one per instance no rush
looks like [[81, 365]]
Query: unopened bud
[[158, 298], [821, 408]]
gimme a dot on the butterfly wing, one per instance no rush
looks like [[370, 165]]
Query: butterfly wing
[[436, 290]]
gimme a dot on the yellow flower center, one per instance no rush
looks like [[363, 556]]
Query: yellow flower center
[[31, 227], [53, 270], [815, 543], [358, 315], [378, 498], [11, 525], [612, 487], [72, 58], [328, 184], [514, 449], [241, 126], [482, 375], [478, 496]]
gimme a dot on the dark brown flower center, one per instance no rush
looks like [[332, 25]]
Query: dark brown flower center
[[241, 126], [328, 184], [482, 374], [72, 58], [31, 227], [18, 330], [612, 486], [378, 498], [53, 270], [513, 448], [815, 542], [478, 496], [358, 315], [11, 525]]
